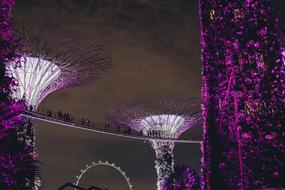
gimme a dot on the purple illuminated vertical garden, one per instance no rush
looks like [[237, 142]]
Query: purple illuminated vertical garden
[[18, 164], [243, 96], [162, 118]]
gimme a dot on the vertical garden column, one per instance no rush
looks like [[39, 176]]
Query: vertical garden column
[[243, 96], [18, 164], [164, 162]]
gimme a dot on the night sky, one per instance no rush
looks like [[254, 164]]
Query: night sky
[[155, 46]]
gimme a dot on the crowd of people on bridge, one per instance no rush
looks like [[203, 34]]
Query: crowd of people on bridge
[[117, 129], [154, 133], [65, 116]]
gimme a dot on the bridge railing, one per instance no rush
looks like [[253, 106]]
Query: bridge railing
[[67, 118]]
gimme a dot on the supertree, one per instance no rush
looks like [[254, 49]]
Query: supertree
[[243, 96], [163, 118], [49, 63], [18, 165], [184, 177]]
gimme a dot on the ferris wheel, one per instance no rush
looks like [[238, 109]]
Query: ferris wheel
[[100, 163]]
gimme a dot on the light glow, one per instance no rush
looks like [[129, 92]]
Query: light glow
[[34, 76], [167, 124]]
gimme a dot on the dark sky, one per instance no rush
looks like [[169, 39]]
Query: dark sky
[[155, 47]]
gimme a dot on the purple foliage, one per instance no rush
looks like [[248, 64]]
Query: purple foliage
[[18, 165], [243, 96], [183, 178]]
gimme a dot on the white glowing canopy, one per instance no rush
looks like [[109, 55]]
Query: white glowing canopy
[[34, 76], [169, 125]]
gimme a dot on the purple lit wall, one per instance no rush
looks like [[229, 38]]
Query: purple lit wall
[[243, 96], [18, 165]]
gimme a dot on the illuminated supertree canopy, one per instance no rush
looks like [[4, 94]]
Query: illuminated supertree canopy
[[54, 62], [243, 96], [163, 118]]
